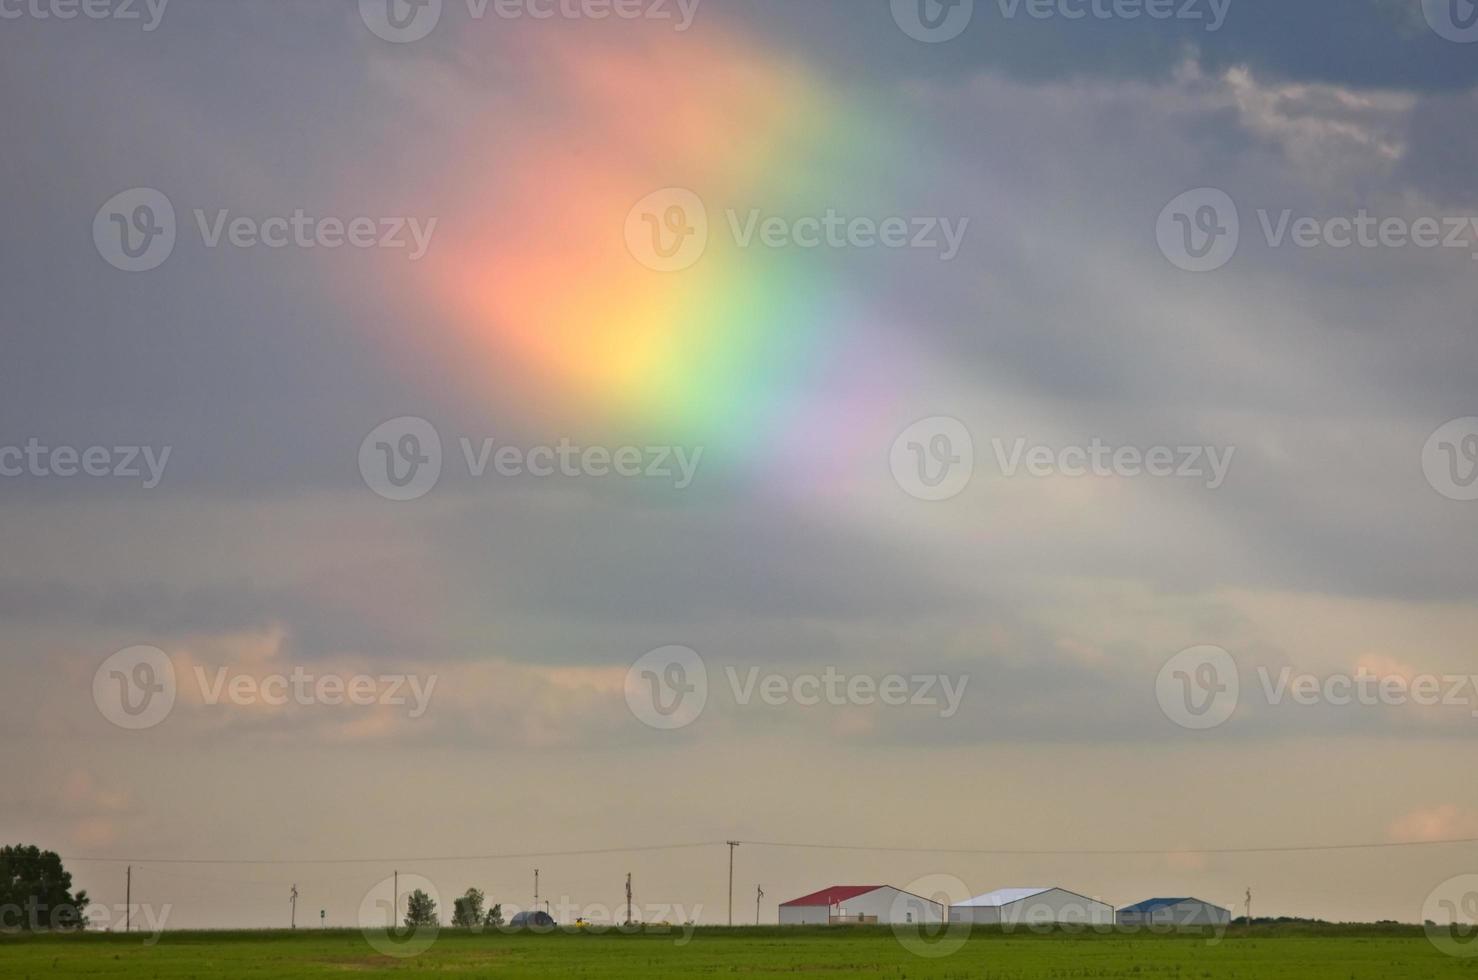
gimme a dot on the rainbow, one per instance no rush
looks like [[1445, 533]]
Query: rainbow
[[757, 354]]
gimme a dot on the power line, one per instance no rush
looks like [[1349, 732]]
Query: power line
[[1147, 852], [804, 845], [510, 856]]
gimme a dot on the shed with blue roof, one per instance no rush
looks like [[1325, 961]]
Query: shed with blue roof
[[1174, 913]]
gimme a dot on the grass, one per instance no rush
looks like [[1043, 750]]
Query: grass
[[1301, 952]]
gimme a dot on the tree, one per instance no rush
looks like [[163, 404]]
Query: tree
[[467, 910], [36, 892], [420, 910], [495, 916]]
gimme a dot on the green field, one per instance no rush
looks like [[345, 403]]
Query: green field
[[1336, 953]]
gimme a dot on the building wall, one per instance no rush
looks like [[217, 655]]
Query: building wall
[[1188, 914], [804, 915], [893, 906], [1055, 905]]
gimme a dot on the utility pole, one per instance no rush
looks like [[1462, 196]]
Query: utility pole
[[395, 913], [732, 844], [536, 889], [759, 893], [1249, 910], [128, 900], [628, 898], [294, 899]]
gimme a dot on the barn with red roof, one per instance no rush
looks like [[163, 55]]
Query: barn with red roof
[[859, 905]]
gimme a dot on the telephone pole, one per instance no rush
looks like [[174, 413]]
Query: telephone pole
[[759, 893], [294, 899], [128, 900], [732, 844], [536, 889], [395, 913], [628, 898]]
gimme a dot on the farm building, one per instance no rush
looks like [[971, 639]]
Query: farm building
[[859, 905], [1033, 906], [1174, 912], [535, 919]]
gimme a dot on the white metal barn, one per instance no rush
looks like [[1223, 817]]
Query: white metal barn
[[1174, 913], [859, 905], [1033, 906]]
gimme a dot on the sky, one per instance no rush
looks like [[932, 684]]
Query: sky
[[622, 406]]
